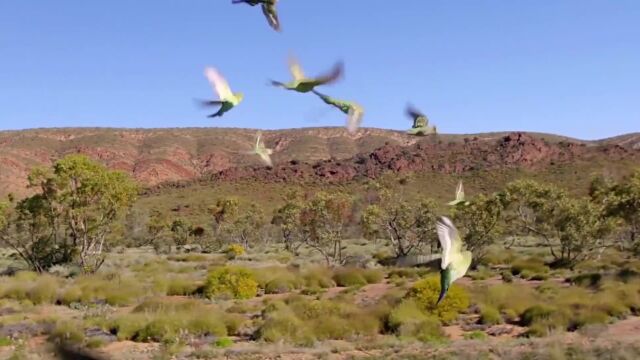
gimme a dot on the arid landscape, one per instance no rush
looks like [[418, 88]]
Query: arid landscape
[[331, 253]]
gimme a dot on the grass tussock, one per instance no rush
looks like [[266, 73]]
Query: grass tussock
[[231, 282], [425, 293], [349, 277]]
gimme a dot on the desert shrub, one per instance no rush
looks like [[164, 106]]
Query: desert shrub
[[237, 283], [507, 297], [167, 321], [405, 312], [95, 343], [25, 276], [489, 315], [224, 343], [529, 266], [498, 255], [403, 273], [277, 280], [181, 286], [425, 293], [191, 257], [507, 276], [44, 290], [539, 277], [301, 321], [543, 320], [586, 280], [482, 273], [68, 331], [476, 335], [5, 341], [318, 277], [350, 277], [234, 250], [373, 276], [120, 291]]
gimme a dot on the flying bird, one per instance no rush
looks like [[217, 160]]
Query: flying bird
[[355, 111], [302, 84], [460, 199], [228, 99], [262, 151], [268, 9], [420, 123], [454, 262]]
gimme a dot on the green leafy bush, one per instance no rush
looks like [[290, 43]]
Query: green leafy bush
[[489, 315], [350, 277], [425, 293], [237, 283]]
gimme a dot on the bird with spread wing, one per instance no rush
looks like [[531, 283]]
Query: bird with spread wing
[[261, 150], [420, 123], [303, 84], [460, 198], [354, 111], [227, 99], [268, 9], [454, 262]]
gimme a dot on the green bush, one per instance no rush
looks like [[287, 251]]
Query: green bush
[[68, 331], [489, 315], [537, 313], [318, 277], [408, 321], [224, 343], [44, 290], [475, 335], [426, 292], [350, 277], [482, 273], [530, 266], [5, 341], [237, 283], [234, 250], [507, 276], [586, 280], [405, 312], [373, 276], [403, 273]]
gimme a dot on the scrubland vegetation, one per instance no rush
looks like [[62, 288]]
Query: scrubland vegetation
[[319, 275]]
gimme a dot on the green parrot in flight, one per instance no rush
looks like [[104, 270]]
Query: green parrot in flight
[[454, 262], [354, 111], [268, 9], [228, 99], [420, 123], [460, 199], [302, 84], [261, 150]]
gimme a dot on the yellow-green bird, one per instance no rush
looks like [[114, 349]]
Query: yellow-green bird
[[261, 150], [460, 199], [228, 99], [420, 123], [454, 262], [303, 84], [352, 109], [268, 9]]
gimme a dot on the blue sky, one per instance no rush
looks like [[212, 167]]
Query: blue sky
[[569, 67]]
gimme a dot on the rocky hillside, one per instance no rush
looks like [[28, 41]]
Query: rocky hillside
[[158, 156]]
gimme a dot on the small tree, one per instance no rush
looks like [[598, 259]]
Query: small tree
[[287, 219], [72, 214], [181, 230], [622, 200], [480, 224], [325, 218], [248, 225], [573, 229]]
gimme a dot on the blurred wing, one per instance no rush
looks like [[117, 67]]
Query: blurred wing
[[219, 83], [331, 77], [295, 68], [449, 240], [460, 192], [413, 112], [258, 138], [270, 13], [266, 159], [355, 119]]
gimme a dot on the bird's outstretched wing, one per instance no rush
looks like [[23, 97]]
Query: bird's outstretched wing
[[355, 118], [295, 68], [332, 76], [413, 112], [219, 84], [258, 140], [269, 11], [449, 240], [460, 192]]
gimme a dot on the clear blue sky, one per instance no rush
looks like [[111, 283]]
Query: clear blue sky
[[570, 67]]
